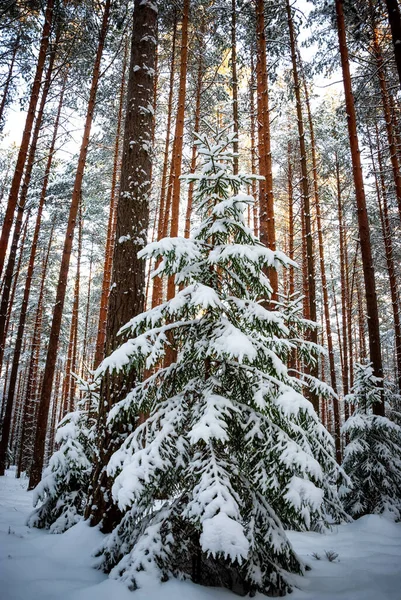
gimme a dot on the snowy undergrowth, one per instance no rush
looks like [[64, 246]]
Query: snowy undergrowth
[[35, 565]]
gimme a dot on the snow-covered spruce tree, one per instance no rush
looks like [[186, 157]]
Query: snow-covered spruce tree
[[64, 485], [372, 459], [227, 440]]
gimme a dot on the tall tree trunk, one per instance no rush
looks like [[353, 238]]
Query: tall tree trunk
[[394, 19], [48, 375], [330, 346], [388, 247], [9, 77], [31, 266], [387, 112], [234, 82], [345, 371], [253, 145], [127, 295], [87, 313], [21, 206], [310, 263], [179, 138], [108, 254], [266, 199], [75, 317], [363, 221], [26, 136], [163, 209], [196, 130], [29, 408]]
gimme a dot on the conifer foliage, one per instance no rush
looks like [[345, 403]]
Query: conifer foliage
[[63, 488], [372, 458], [226, 443]]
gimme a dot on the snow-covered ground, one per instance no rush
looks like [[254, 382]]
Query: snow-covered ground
[[35, 565]]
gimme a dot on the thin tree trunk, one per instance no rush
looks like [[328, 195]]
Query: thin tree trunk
[[108, 254], [387, 113], [28, 407], [9, 77], [87, 312], [179, 138], [310, 263], [163, 209], [330, 346], [21, 207], [234, 82], [363, 221], [394, 19], [48, 375], [266, 199], [388, 247], [196, 130], [26, 136], [253, 146]]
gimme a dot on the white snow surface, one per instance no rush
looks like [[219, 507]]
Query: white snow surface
[[36, 565]]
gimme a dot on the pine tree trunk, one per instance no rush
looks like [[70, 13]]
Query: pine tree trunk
[[163, 209], [179, 138], [388, 247], [196, 130], [108, 254], [266, 200], [87, 312], [31, 264], [253, 145], [345, 372], [20, 210], [9, 78], [305, 195], [387, 115], [26, 136], [48, 375], [234, 82], [330, 346], [394, 19], [28, 407], [363, 221], [128, 290]]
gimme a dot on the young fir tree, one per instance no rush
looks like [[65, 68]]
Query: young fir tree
[[225, 442], [372, 459], [64, 485]]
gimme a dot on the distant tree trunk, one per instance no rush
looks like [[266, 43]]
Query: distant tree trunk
[[310, 263], [345, 372], [21, 207], [48, 375], [6, 424], [127, 295], [9, 77], [75, 317], [388, 247], [234, 82], [363, 221], [253, 145], [108, 254], [266, 199], [87, 313], [291, 235], [330, 346], [163, 209], [387, 114], [23, 150], [394, 19], [32, 258], [187, 230], [28, 404], [179, 138], [14, 286]]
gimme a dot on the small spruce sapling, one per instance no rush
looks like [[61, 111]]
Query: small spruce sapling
[[63, 487], [229, 441], [372, 458]]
